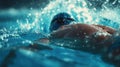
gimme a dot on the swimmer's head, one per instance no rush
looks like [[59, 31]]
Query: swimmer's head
[[60, 20]]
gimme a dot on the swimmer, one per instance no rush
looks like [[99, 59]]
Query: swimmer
[[99, 37]]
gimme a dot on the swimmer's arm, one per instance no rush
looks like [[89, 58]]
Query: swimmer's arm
[[42, 41], [39, 44]]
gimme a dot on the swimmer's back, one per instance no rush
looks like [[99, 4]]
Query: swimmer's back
[[95, 34], [80, 30]]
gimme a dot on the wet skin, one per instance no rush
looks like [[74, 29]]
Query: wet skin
[[96, 34], [99, 37]]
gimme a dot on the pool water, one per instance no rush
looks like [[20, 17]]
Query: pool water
[[22, 27]]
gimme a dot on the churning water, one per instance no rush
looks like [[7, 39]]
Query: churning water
[[21, 27]]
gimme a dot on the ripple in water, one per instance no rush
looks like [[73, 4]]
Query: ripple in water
[[35, 23]]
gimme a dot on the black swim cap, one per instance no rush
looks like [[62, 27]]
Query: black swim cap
[[59, 20]]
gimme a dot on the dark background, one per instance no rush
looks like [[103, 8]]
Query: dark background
[[6, 4]]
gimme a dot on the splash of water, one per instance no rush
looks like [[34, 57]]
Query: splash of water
[[38, 21], [78, 9]]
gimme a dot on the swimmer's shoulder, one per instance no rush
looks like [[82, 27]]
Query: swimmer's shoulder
[[107, 28]]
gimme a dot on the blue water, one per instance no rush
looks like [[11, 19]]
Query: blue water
[[22, 27]]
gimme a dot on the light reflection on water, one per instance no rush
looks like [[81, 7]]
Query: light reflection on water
[[33, 23]]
